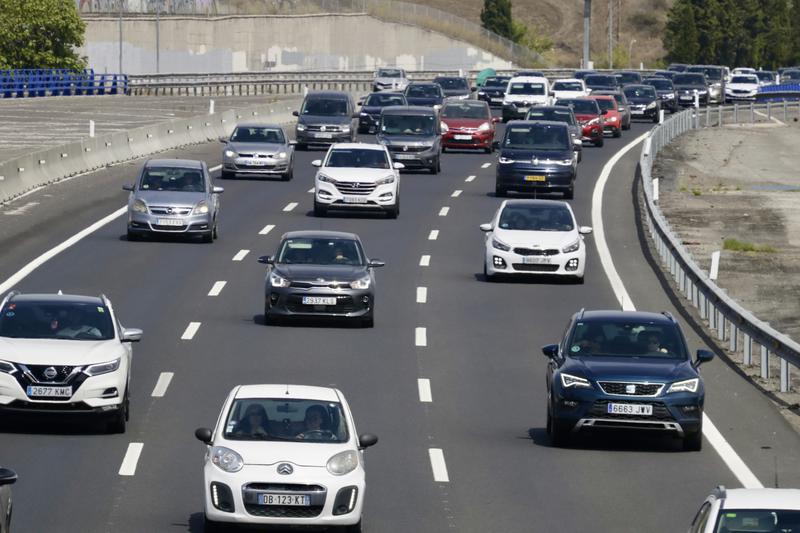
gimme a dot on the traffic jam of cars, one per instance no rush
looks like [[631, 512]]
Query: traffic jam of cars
[[291, 454]]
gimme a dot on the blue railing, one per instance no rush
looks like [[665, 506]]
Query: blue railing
[[29, 83]]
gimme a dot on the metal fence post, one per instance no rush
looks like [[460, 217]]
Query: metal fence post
[[719, 122], [703, 306], [785, 111], [752, 113], [764, 362], [708, 115], [734, 338], [735, 113], [769, 110], [747, 356], [786, 379], [720, 325]]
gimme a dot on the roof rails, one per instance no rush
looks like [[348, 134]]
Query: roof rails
[[580, 313], [8, 296], [668, 315], [719, 492]]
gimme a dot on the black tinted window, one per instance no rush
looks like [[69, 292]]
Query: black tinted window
[[538, 137], [325, 107], [689, 79], [423, 91], [384, 100], [43, 320], [452, 83], [358, 158], [536, 218], [582, 107], [466, 110], [626, 338]]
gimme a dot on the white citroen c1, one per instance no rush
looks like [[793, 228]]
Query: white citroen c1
[[534, 237], [284, 455]]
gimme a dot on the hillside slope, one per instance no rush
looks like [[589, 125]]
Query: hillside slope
[[562, 22]]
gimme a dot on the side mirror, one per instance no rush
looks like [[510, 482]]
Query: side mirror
[[128, 187], [366, 440], [703, 356], [295, 113], [398, 165], [375, 263], [217, 190], [486, 227], [292, 143], [473, 89], [496, 145], [204, 435], [223, 140], [316, 163], [266, 260], [8, 476], [550, 350], [585, 230], [131, 335], [577, 146]]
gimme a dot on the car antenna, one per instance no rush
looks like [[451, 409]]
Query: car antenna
[[775, 459], [287, 389]]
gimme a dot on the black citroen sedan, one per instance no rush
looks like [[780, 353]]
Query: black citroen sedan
[[320, 274], [536, 157]]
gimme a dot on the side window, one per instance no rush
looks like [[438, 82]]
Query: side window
[[701, 519], [565, 335]]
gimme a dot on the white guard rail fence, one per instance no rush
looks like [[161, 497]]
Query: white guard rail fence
[[744, 332]]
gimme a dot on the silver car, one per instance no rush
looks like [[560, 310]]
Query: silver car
[[390, 79], [7, 478], [173, 196], [256, 149]]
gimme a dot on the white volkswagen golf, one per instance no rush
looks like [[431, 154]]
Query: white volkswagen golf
[[357, 176], [284, 454], [535, 237]]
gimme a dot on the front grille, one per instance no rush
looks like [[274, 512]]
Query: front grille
[[255, 155], [159, 227], [397, 148], [642, 389], [535, 251], [353, 187], [344, 304], [600, 410], [64, 374], [168, 210], [329, 128], [283, 511], [285, 487], [534, 268], [318, 284]]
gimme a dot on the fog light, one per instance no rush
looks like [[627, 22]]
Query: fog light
[[222, 497], [110, 393], [572, 264], [323, 192], [498, 262], [365, 299], [345, 500], [386, 196], [273, 298], [689, 408]]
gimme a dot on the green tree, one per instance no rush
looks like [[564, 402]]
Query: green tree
[[680, 34], [40, 34], [777, 37], [794, 33], [709, 31], [496, 17]]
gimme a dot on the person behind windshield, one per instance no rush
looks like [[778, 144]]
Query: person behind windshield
[[592, 340], [653, 343], [254, 423], [72, 325], [314, 421]]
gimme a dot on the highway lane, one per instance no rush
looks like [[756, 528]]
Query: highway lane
[[482, 360]]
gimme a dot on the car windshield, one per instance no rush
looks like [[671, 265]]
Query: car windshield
[[744, 79], [537, 137], [758, 521], [556, 115], [711, 73], [765, 76], [173, 179], [689, 79], [422, 125], [582, 107], [255, 134], [640, 92], [629, 77], [626, 338], [452, 83], [660, 83], [466, 110], [791, 75], [606, 104], [389, 73], [357, 158], [536, 218], [56, 320], [325, 107], [496, 82], [320, 251], [519, 87], [279, 419], [385, 100], [423, 91], [567, 86], [601, 81]]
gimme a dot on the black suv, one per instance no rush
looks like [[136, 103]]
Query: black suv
[[326, 117], [628, 370], [413, 135]]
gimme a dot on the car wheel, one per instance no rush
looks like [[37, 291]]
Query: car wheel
[[444, 149], [569, 194], [693, 442], [618, 133], [368, 322], [580, 157], [132, 236], [119, 419], [320, 210], [559, 437], [578, 280], [289, 173], [655, 118], [363, 130], [394, 211], [599, 142], [486, 276], [488, 149], [499, 191], [210, 526], [355, 528], [208, 237]]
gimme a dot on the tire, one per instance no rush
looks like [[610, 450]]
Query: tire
[[132, 236], [578, 280], [208, 237], [599, 142], [693, 442], [320, 210], [289, 173], [444, 149], [559, 437], [437, 166], [655, 119], [500, 191], [489, 278], [488, 150], [210, 526], [569, 194], [368, 322], [119, 419], [363, 130], [355, 528], [394, 212], [580, 156], [626, 126], [618, 133]]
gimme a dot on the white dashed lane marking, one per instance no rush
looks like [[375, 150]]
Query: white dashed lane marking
[[486, 165], [191, 331], [425, 260], [267, 229], [422, 295], [424, 386], [241, 254], [438, 465], [311, 190], [456, 193], [469, 179], [421, 337], [161, 385], [290, 206], [433, 235], [128, 467], [217, 288], [443, 211]]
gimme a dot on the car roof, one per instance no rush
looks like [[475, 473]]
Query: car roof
[[319, 234], [599, 74], [529, 79], [58, 298], [572, 80], [643, 316], [174, 163], [409, 110], [767, 499], [386, 93], [341, 95], [294, 392], [538, 123], [535, 203], [363, 146], [449, 78], [258, 125]]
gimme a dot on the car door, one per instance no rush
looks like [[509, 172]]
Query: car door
[[554, 363]]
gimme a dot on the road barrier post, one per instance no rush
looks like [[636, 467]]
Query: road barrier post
[[747, 358], [734, 344], [655, 190], [211, 106], [786, 380], [769, 110], [752, 113], [713, 272], [660, 116], [735, 113], [764, 362], [719, 121], [91, 128], [784, 111]]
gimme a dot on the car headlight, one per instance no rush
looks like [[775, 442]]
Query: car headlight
[[8, 368], [688, 385], [568, 380], [612, 119], [595, 120], [226, 459], [362, 114], [345, 129], [481, 93], [669, 96], [385, 181], [572, 247], [505, 161], [651, 105], [702, 92], [485, 127], [139, 206], [361, 284], [326, 179], [445, 128], [278, 281], [500, 245], [201, 208], [102, 368], [301, 127], [230, 153], [281, 155], [343, 463], [563, 162]]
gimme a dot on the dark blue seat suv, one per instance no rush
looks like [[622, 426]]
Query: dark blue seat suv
[[624, 369]]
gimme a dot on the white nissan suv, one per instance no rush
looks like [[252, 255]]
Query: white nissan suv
[[65, 354], [357, 176], [285, 455]]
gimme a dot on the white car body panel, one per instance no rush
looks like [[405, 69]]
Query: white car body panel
[[383, 196], [557, 94], [533, 99]]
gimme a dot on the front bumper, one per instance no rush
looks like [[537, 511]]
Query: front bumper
[[644, 113], [368, 122], [559, 264], [426, 158], [326, 493], [381, 197], [147, 223], [522, 178], [591, 132], [322, 137], [687, 100], [90, 394], [288, 302], [252, 166], [494, 100], [467, 139], [739, 97], [611, 126]]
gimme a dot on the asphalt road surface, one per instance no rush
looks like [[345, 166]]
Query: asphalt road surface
[[482, 358]]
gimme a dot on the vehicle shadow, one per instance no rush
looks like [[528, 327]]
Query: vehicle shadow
[[303, 322], [350, 214], [613, 441], [524, 279], [196, 525], [158, 237], [55, 424]]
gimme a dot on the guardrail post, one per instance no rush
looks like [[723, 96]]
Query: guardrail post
[[734, 338], [765, 362], [769, 110], [784, 110], [752, 113], [719, 122], [695, 296], [720, 325], [712, 315], [786, 379], [708, 115], [735, 113], [703, 306]]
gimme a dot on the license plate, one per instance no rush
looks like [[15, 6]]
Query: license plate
[[323, 135], [49, 392], [535, 178], [355, 199], [463, 137], [255, 162], [687, 97], [405, 156], [170, 222], [637, 111], [319, 300], [284, 499], [536, 260], [523, 109], [497, 100], [630, 409]]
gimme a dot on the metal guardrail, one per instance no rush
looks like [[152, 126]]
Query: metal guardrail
[[731, 322]]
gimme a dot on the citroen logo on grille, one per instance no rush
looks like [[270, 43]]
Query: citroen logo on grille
[[630, 389], [285, 469], [50, 372]]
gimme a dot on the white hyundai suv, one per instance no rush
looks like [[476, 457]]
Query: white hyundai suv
[[534, 237], [65, 354], [357, 176], [748, 510], [285, 455]]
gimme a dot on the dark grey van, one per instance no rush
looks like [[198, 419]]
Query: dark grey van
[[413, 135], [326, 117]]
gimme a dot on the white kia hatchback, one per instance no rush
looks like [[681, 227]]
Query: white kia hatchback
[[284, 454], [536, 237]]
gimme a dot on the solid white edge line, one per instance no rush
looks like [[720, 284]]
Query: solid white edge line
[[725, 451], [438, 465], [23, 272], [424, 386], [267, 229], [433, 235], [443, 211], [456, 193], [214, 169], [422, 295], [469, 178], [290, 206], [161, 385], [190, 331], [425, 260], [128, 467], [420, 337], [217, 288], [240, 255]]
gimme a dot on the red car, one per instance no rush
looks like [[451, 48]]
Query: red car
[[613, 120], [589, 116], [469, 125]]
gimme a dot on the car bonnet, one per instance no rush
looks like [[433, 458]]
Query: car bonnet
[[269, 453], [59, 351]]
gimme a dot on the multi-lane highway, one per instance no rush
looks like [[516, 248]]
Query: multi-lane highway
[[478, 352]]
